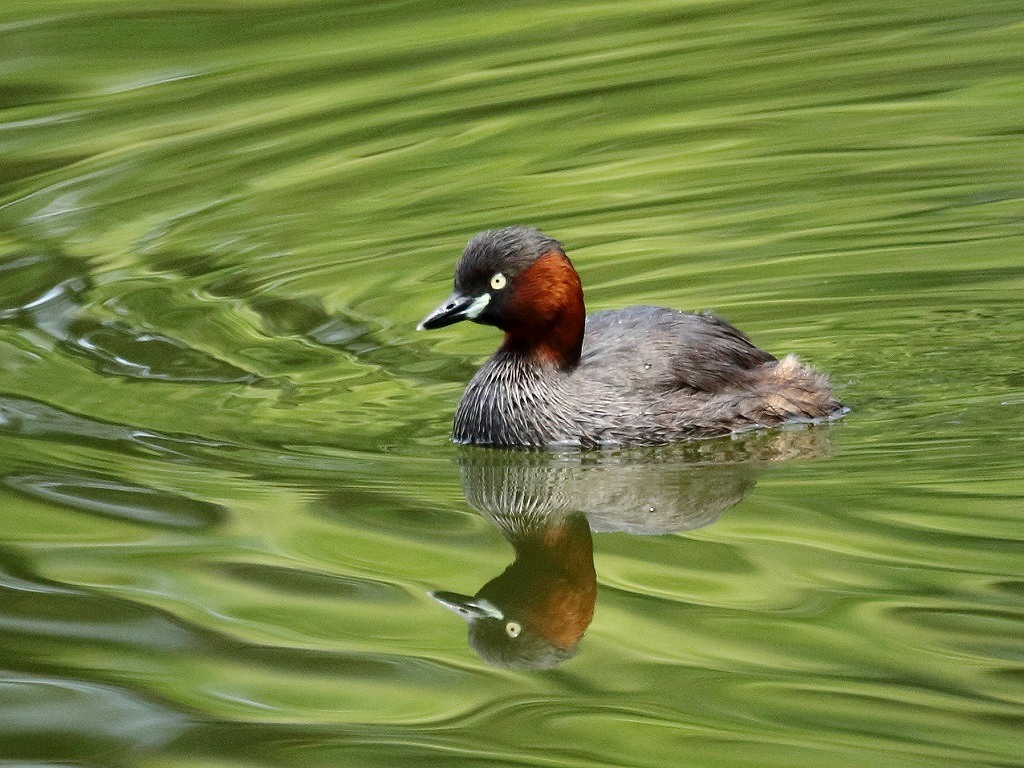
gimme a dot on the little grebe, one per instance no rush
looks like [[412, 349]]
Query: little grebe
[[636, 376]]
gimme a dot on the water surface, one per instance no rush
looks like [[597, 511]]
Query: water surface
[[227, 488]]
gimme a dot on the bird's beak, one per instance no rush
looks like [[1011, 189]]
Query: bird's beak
[[469, 608], [453, 309]]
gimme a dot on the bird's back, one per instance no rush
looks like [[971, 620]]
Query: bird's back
[[655, 350], [673, 375]]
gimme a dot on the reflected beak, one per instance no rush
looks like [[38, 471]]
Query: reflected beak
[[469, 608], [455, 308]]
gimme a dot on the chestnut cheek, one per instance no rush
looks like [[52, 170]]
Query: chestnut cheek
[[544, 314]]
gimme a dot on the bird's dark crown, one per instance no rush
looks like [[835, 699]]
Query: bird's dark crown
[[509, 251]]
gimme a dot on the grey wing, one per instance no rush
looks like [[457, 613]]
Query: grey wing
[[654, 349]]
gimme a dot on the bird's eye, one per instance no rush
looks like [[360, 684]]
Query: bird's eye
[[498, 281], [512, 629]]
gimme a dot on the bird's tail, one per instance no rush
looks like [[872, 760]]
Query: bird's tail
[[789, 390]]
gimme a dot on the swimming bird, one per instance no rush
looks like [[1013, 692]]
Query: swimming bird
[[642, 375]]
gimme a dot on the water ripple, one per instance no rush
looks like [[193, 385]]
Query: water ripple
[[119, 499]]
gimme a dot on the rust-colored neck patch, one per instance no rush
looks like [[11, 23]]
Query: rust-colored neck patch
[[545, 316]]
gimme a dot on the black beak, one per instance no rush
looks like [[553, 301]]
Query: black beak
[[469, 608], [452, 310]]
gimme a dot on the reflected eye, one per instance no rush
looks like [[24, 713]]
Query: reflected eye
[[512, 629], [497, 283]]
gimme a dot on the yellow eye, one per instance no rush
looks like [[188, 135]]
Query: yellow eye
[[498, 281], [512, 629]]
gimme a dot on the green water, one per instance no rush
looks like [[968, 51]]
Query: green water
[[227, 488]]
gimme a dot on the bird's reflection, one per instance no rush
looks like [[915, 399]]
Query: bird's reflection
[[535, 612]]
